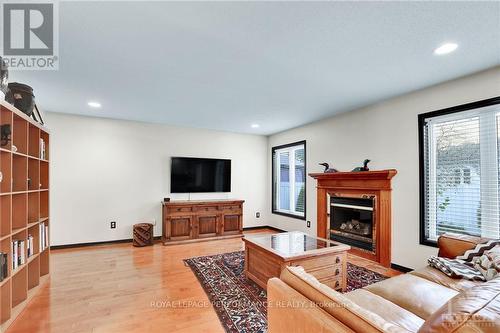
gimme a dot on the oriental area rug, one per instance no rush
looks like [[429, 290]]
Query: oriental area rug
[[239, 302]]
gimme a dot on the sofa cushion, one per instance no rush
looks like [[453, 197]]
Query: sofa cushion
[[474, 310], [417, 295], [385, 309], [438, 277], [336, 304]]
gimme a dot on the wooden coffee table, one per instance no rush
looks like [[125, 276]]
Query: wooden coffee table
[[267, 254]]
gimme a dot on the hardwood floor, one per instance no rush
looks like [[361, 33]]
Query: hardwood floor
[[119, 288]]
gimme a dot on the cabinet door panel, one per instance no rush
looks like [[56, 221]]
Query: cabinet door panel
[[180, 227], [231, 224], [207, 225]]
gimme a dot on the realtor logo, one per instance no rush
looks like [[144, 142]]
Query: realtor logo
[[30, 39]]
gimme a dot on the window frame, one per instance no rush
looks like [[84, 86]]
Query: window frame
[[303, 216], [421, 147]]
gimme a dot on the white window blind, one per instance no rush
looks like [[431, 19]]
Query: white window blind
[[289, 174], [461, 173]]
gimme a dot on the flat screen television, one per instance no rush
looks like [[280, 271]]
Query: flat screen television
[[191, 175]]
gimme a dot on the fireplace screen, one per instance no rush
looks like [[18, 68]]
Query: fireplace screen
[[351, 221]]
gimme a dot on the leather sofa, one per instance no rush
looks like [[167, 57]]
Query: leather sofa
[[423, 300]]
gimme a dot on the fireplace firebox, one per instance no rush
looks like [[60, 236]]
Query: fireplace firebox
[[352, 222]]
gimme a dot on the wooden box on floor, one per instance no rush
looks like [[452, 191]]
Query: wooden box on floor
[[24, 210]]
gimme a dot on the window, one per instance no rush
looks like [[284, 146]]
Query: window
[[459, 171], [289, 180]]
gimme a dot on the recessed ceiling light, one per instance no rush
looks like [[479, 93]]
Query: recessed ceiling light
[[94, 104], [446, 48], [255, 125]]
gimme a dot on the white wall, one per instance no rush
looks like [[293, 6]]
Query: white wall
[[387, 134], [106, 170]]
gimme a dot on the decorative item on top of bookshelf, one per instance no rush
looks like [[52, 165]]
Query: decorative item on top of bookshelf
[[37, 115], [363, 168], [21, 96]]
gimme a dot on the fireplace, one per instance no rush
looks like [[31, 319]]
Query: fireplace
[[355, 208], [352, 222]]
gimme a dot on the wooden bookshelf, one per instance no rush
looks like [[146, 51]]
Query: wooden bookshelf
[[24, 207]]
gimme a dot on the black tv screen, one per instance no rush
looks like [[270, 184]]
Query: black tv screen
[[189, 175]]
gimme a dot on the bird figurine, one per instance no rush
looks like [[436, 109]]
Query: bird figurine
[[363, 168], [328, 169]]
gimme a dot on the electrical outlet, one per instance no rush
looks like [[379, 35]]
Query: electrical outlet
[[113, 225], [257, 215], [308, 224]]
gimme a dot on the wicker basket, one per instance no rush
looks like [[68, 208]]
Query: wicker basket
[[143, 234]]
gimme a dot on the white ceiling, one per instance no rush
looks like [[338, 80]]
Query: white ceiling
[[226, 65]]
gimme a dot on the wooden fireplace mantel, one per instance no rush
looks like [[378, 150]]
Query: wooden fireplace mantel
[[366, 184], [356, 180]]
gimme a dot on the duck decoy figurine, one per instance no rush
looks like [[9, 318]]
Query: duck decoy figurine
[[363, 168], [328, 169]]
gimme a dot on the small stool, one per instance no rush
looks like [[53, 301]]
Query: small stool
[[143, 234]]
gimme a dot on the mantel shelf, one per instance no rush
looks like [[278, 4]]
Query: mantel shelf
[[365, 175], [365, 180]]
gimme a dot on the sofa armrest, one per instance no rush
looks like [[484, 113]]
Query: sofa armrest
[[289, 311], [452, 245]]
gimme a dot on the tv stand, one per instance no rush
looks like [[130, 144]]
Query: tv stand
[[193, 221]]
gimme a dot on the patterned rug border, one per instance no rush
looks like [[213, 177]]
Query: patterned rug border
[[217, 304], [199, 277]]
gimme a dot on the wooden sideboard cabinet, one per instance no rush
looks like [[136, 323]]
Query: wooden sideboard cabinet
[[188, 221]]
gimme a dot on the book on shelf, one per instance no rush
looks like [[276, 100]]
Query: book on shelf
[[46, 233], [4, 271], [30, 246], [18, 253], [15, 254], [42, 149], [22, 255], [41, 230], [44, 236]]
